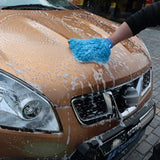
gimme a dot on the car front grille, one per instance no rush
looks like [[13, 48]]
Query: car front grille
[[94, 107], [91, 108]]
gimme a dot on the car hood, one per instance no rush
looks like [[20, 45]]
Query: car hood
[[34, 47]]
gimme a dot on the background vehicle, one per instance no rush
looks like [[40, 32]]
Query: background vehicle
[[52, 106]]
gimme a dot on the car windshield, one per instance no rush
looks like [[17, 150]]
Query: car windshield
[[36, 4]]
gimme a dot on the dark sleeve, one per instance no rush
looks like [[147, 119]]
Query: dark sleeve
[[146, 17]]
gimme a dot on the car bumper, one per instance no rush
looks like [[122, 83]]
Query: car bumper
[[116, 142]]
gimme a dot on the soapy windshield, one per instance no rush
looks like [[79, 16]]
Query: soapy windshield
[[36, 4]]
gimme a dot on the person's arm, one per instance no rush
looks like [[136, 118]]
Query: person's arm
[[146, 17], [122, 33]]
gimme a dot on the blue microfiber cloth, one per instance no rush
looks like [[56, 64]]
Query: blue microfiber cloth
[[91, 50]]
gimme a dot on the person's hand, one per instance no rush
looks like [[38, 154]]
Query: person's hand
[[91, 50]]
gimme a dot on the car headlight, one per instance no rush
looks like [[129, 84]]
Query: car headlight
[[21, 107]]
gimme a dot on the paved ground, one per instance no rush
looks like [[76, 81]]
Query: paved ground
[[143, 150]]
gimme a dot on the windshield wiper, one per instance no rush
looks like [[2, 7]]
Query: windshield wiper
[[32, 7]]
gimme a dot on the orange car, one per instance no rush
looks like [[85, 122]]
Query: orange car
[[52, 106]]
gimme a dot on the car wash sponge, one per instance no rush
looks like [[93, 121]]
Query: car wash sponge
[[91, 50]]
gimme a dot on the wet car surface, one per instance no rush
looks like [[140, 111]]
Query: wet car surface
[[52, 106]]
